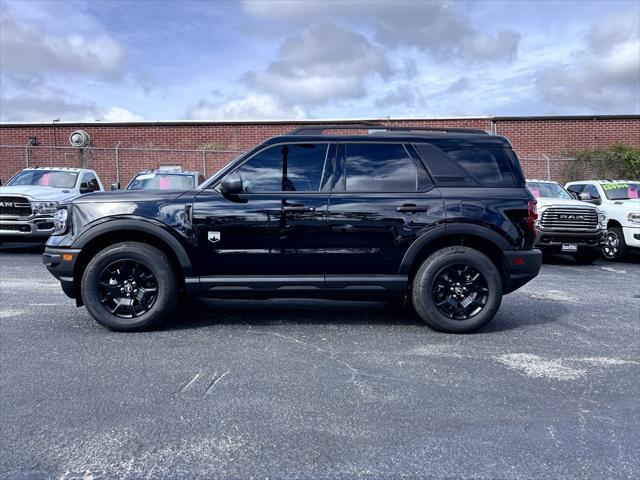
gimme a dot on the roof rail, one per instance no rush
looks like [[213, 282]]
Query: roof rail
[[320, 129]]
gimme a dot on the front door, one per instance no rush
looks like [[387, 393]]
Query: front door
[[273, 230]]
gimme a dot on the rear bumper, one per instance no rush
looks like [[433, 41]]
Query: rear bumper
[[587, 242], [522, 266], [60, 262]]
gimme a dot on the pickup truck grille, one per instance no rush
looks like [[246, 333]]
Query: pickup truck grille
[[570, 219], [15, 206]]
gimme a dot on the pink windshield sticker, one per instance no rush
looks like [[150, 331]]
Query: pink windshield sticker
[[632, 192], [535, 192], [164, 183], [45, 179]]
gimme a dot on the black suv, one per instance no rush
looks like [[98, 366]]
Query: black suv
[[438, 216]]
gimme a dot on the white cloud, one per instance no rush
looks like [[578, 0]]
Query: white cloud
[[603, 76], [323, 63], [441, 28], [250, 107], [24, 48]]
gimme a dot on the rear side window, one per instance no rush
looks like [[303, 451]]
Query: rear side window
[[378, 167], [469, 166]]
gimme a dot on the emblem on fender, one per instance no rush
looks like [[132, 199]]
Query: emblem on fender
[[213, 237]]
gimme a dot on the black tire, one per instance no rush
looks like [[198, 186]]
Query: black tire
[[123, 263], [427, 289], [585, 259], [614, 248]]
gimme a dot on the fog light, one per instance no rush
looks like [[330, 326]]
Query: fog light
[[67, 257]]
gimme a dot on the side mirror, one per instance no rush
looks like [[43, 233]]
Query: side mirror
[[231, 185], [584, 196], [115, 186], [84, 188]]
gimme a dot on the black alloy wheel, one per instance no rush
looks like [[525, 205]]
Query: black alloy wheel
[[130, 286], [127, 288], [460, 291]]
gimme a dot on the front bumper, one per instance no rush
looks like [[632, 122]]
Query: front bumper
[[587, 242], [632, 236], [60, 262], [521, 267], [35, 228]]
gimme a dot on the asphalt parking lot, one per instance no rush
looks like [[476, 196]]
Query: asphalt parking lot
[[319, 389]]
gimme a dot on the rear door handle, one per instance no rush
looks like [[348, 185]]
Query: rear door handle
[[297, 208], [411, 208]]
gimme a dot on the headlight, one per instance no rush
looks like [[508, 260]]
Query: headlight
[[44, 207], [634, 218], [60, 224], [602, 219]]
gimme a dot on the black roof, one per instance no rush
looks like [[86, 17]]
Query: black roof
[[435, 138]]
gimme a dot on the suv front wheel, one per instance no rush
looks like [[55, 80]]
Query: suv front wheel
[[129, 286], [457, 290]]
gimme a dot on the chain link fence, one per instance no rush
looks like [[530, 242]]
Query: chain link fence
[[112, 164], [120, 164]]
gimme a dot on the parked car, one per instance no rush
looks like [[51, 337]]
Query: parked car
[[566, 225], [164, 179], [620, 202], [30, 199], [440, 218]]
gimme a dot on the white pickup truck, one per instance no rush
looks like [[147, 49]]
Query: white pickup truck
[[620, 202], [30, 199], [566, 225]]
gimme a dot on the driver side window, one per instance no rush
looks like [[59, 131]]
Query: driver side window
[[592, 190], [292, 167]]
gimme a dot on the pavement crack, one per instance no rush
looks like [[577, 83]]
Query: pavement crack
[[192, 381], [214, 380]]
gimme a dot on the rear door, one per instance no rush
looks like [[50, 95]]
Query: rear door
[[382, 199]]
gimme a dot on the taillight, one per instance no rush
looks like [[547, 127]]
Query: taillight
[[532, 215]]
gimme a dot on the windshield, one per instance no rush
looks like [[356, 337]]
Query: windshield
[[548, 190], [161, 181], [45, 178], [621, 191]]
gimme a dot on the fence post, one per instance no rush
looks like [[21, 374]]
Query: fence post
[[548, 166], [31, 141], [118, 164], [204, 162]]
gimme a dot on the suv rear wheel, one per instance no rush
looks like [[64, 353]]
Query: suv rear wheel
[[129, 286], [457, 290]]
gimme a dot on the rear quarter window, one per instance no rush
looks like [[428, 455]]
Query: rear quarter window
[[469, 166]]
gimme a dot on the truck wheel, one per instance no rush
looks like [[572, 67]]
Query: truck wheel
[[614, 247], [129, 286], [585, 259], [457, 290]]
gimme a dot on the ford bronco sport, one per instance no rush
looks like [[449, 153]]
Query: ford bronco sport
[[440, 217]]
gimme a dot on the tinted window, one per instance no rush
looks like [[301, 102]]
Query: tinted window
[[379, 168], [294, 167], [445, 172], [576, 188], [547, 190], [489, 166]]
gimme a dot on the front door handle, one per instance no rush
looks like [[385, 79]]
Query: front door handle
[[411, 208], [297, 208]]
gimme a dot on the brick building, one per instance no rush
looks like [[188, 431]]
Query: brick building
[[119, 150]]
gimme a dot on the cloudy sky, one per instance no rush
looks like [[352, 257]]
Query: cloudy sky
[[257, 59]]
